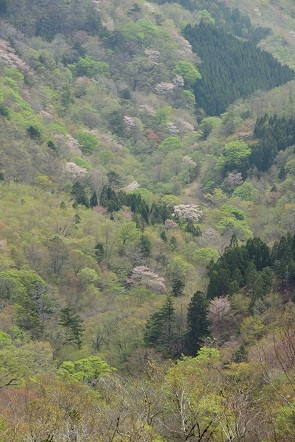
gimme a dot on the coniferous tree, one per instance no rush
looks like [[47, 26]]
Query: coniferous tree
[[193, 229], [197, 323], [219, 283], [163, 236], [3, 7], [231, 68], [34, 132], [145, 246], [273, 134], [283, 259], [173, 242], [109, 199], [178, 285], [73, 325], [79, 192], [114, 179], [258, 252], [99, 252], [160, 330], [93, 200]]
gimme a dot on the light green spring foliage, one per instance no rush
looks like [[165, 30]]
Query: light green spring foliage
[[86, 370], [19, 109], [43, 181], [189, 73], [145, 194], [21, 359], [163, 113], [246, 191], [82, 163], [77, 84], [89, 67], [106, 157], [205, 255], [234, 154], [142, 31], [230, 225], [5, 340], [170, 143], [88, 142], [238, 214], [191, 379], [206, 17], [208, 124]]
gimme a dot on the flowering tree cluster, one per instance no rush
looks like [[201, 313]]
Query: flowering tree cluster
[[172, 128], [178, 80], [219, 315], [129, 121], [186, 124], [74, 169], [169, 224], [191, 164], [187, 212], [153, 55], [8, 57], [164, 87], [186, 48], [218, 307], [144, 276], [235, 178], [132, 186]]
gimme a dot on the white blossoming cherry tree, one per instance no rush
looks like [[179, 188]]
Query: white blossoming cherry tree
[[187, 212]]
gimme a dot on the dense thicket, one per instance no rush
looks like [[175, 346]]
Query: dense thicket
[[48, 18], [274, 134], [95, 95], [157, 213], [253, 269], [253, 266], [230, 19], [231, 68], [197, 323]]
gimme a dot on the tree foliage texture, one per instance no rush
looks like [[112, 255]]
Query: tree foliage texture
[[254, 266], [231, 68], [271, 134], [197, 323]]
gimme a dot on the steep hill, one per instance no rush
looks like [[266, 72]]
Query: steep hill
[[147, 220]]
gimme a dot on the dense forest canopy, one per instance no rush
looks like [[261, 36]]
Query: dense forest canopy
[[231, 68], [230, 20], [274, 135], [147, 246]]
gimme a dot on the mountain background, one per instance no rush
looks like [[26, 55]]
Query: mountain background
[[147, 245]]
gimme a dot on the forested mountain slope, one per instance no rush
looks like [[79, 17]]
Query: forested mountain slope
[[147, 220], [279, 16], [231, 68]]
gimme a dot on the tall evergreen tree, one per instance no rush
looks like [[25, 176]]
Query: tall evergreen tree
[[79, 192], [145, 246], [93, 200], [73, 325], [178, 285], [99, 251], [160, 330], [197, 323], [258, 252]]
